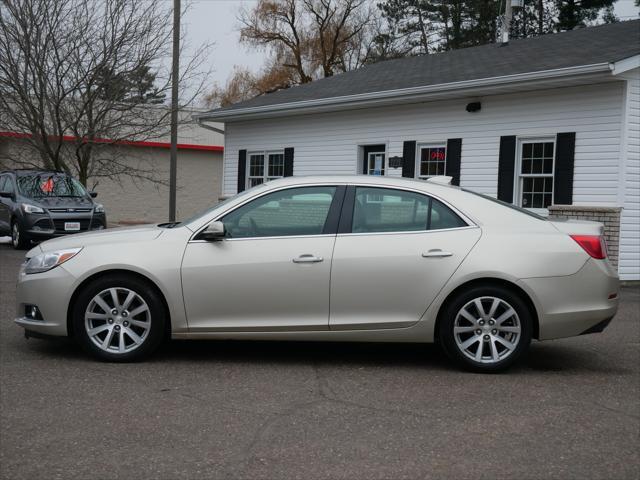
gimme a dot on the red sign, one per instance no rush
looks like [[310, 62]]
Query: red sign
[[437, 155]]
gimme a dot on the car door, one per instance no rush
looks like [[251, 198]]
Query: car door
[[272, 270], [394, 251]]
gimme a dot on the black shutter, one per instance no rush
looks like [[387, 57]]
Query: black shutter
[[242, 170], [506, 168], [409, 159], [452, 166], [563, 175], [288, 162]]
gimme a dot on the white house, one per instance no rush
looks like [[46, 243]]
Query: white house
[[550, 123]]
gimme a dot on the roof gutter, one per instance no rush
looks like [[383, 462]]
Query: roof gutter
[[386, 96]]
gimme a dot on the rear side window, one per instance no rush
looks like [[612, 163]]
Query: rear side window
[[378, 210], [443, 217]]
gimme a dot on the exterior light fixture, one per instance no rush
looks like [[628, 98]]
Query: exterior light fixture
[[474, 107]]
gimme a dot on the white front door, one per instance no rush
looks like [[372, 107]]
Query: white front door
[[273, 270], [400, 251]]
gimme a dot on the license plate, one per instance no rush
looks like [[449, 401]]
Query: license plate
[[72, 226]]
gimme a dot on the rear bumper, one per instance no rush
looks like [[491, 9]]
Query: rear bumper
[[575, 304]]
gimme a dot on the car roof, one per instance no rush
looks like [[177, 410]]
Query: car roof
[[383, 181], [31, 171]]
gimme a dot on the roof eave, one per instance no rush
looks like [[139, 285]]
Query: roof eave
[[380, 98]]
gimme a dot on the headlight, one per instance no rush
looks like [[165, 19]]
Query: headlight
[[31, 208], [99, 208], [48, 260]]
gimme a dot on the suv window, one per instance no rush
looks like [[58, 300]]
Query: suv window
[[38, 185], [389, 210], [296, 211]]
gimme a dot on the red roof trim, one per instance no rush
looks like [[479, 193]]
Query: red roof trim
[[133, 143]]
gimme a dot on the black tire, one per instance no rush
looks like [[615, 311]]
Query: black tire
[[453, 348], [157, 317], [19, 239]]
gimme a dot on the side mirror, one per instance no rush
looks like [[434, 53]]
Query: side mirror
[[93, 194], [213, 233], [6, 194]]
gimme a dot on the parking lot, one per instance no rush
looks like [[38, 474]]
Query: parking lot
[[298, 410]]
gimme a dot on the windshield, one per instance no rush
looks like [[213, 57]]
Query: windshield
[[210, 209], [505, 204], [39, 185]]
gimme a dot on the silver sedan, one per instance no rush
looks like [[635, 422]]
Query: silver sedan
[[372, 259]]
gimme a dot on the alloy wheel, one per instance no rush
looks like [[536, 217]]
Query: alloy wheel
[[15, 235], [117, 320], [487, 330]]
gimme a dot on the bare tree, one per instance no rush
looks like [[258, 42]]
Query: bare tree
[[310, 38], [79, 76]]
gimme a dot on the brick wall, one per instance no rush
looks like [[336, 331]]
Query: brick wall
[[608, 216]]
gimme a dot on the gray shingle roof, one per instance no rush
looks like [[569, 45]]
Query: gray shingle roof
[[586, 46]]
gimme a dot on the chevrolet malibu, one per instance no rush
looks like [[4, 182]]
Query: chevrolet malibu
[[370, 259]]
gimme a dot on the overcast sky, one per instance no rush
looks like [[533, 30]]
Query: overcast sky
[[216, 21]]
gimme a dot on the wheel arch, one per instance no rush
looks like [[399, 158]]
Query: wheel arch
[[490, 281], [120, 271]]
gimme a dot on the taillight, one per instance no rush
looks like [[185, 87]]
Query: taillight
[[594, 245]]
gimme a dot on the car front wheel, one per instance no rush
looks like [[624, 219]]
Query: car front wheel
[[486, 329], [19, 239], [119, 318]]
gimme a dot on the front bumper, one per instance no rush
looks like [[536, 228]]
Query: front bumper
[[52, 225], [575, 304], [49, 291]]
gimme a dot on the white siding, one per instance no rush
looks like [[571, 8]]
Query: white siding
[[328, 143], [629, 267]]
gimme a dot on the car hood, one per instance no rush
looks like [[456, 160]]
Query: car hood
[[142, 233], [61, 202]]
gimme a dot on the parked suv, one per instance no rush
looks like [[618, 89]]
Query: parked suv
[[39, 204]]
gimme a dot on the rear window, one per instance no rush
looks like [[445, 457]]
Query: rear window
[[505, 204], [40, 185]]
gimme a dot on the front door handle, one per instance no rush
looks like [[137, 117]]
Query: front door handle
[[307, 258], [436, 253]]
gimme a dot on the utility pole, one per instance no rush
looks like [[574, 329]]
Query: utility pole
[[506, 23], [175, 74]]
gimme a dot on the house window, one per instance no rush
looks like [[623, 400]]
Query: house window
[[374, 159], [432, 160], [534, 183], [264, 166]]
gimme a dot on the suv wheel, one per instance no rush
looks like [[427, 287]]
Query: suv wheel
[[486, 329], [19, 239]]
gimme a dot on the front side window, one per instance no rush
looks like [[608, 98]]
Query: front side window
[[295, 211], [432, 160], [379, 210], [535, 174], [264, 166]]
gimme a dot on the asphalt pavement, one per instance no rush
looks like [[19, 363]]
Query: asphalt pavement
[[242, 410]]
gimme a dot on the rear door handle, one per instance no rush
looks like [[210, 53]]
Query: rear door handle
[[307, 258], [436, 253]]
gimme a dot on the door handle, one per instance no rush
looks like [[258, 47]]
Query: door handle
[[307, 258], [436, 253]]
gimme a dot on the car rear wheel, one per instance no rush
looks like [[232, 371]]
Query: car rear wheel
[[119, 318], [19, 239], [486, 329]]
